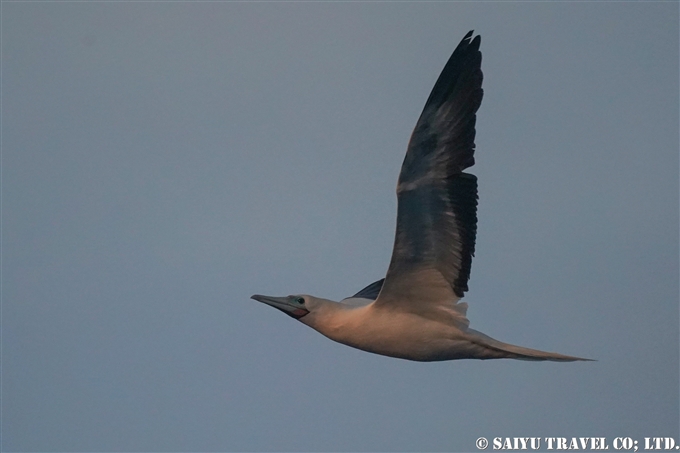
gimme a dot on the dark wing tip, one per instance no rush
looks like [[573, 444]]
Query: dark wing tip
[[468, 35], [447, 124], [466, 57]]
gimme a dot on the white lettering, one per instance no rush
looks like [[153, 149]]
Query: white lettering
[[598, 443], [516, 443], [549, 441], [623, 443]]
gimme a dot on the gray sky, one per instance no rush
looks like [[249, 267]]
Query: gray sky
[[161, 162]]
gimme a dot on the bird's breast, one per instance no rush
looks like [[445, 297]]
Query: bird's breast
[[395, 334]]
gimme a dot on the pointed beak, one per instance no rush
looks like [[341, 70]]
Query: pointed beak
[[282, 303]]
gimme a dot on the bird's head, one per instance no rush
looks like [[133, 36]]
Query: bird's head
[[295, 306]]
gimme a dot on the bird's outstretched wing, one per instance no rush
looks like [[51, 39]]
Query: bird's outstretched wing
[[370, 292], [437, 213]]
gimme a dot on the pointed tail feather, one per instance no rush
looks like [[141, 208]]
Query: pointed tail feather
[[511, 351]]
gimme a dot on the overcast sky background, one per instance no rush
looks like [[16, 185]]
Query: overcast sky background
[[161, 162]]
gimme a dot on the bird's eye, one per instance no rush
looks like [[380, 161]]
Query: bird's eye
[[300, 300]]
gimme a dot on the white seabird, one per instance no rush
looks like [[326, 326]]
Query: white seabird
[[415, 312]]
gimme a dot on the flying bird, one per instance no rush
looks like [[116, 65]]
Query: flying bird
[[416, 312]]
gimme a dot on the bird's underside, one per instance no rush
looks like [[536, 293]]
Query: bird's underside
[[452, 344], [441, 333], [415, 312]]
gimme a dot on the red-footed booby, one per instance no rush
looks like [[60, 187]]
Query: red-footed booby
[[415, 312]]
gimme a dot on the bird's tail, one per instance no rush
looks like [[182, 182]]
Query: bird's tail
[[498, 349]]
